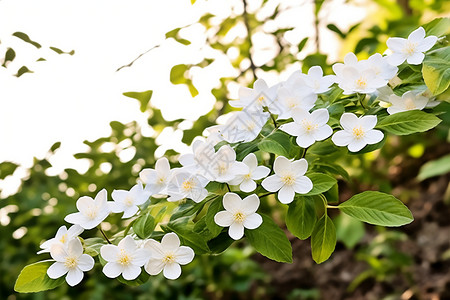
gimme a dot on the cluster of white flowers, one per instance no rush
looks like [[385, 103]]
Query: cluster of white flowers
[[296, 99]]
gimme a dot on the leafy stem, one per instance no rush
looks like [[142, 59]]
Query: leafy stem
[[104, 235]]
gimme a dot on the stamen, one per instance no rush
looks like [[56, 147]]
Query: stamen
[[169, 258], [239, 217], [124, 259], [71, 262], [358, 132], [288, 179]]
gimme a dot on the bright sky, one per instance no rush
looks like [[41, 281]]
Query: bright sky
[[73, 98]]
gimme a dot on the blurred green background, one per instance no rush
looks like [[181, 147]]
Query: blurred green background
[[369, 263]]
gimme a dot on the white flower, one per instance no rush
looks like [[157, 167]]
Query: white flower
[[186, 185], [316, 81], [62, 236], [239, 214], [288, 179], [224, 167], [410, 49], [128, 201], [199, 161], [409, 101], [126, 259], [167, 256], [70, 260], [156, 180], [309, 127], [257, 98], [242, 126], [357, 76], [381, 66], [91, 212], [247, 181], [291, 100], [358, 132]]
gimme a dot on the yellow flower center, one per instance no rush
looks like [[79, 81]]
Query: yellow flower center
[[361, 83], [169, 258], [63, 238], [129, 201], [358, 132], [71, 262], [251, 126], [248, 176], [308, 125], [222, 168], [161, 180], [124, 259], [188, 185], [291, 103], [261, 99], [239, 217], [92, 212], [288, 179], [410, 105], [410, 48]]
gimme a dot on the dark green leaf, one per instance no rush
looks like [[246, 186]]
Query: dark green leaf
[[321, 183], [301, 217], [408, 122], [323, 239], [24, 37], [144, 226]]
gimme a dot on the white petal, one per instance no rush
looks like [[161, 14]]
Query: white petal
[[305, 140], [252, 221], [260, 85], [427, 43], [148, 175], [396, 59], [250, 204], [356, 145], [170, 242], [315, 72], [85, 262], [322, 133], [292, 128], [373, 136], [76, 218], [119, 195], [224, 218], [416, 58], [396, 44], [281, 165], [286, 194], [131, 272], [112, 269], [172, 271], [247, 186], [74, 276], [299, 115], [162, 166], [231, 202], [74, 230], [57, 270], [320, 116], [155, 249], [236, 231], [83, 204], [184, 255], [342, 138], [368, 122], [303, 185], [58, 252], [74, 248], [417, 35], [348, 121], [101, 197], [154, 266], [300, 166], [260, 172], [251, 161], [128, 244], [272, 183], [130, 212], [141, 257], [109, 252]]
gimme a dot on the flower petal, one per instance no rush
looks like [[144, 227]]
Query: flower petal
[[260, 172], [251, 161], [247, 186], [416, 58], [170, 242], [356, 145], [281, 165], [83, 204], [320, 116], [184, 255], [162, 166], [74, 248], [427, 43], [250, 204], [252, 221], [286, 194], [141, 257], [128, 244], [315, 72], [322, 133], [131, 272], [231, 202], [236, 231], [74, 276], [303, 185], [154, 266], [112, 269], [396, 44], [373, 136], [57, 270], [342, 138], [172, 271], [272, 183], [85, 262], [368, 122], [130, 212], [109, 252], [396, 59], [260, 85], [58, 252], [292, 128], [155, 249], [417, 35], [348, 121], [224, 218], [305, 140]]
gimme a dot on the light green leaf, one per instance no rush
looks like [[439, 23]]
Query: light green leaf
[[301, 217], [349, 230], [142, 97], [438, 27], [144, 226], [269, 240], [377, 208], [436, 70], [408, 122], [436, 167], [323, 239], [34, 278], [321, 183], [278, 143], [183, 227]]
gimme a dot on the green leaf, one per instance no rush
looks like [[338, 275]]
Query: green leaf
[[433, 168], [175, 35], [349, 230], [33, 278], [184, 229], [7, 168], [213, 209], [142, 97], [269, 240], [335, 29], [144, 226], [142, 278], [220, 243], [323, 239], [278, 143], [377, 208], [301, 217], [59, 51], [321, 183], [438, 27], [24, 37], [302, 44], [436, 70], [179, 75], [408, 122]]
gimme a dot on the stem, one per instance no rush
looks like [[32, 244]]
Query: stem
[[304, 152], [332, 206], [228, 187], [274, 121], [361, 98], [325, 202], [267, 194], [104, 234]]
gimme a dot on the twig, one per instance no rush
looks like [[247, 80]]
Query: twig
[[140, 55], [104, 235]]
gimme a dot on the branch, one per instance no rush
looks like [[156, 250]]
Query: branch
[[140, 55]]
